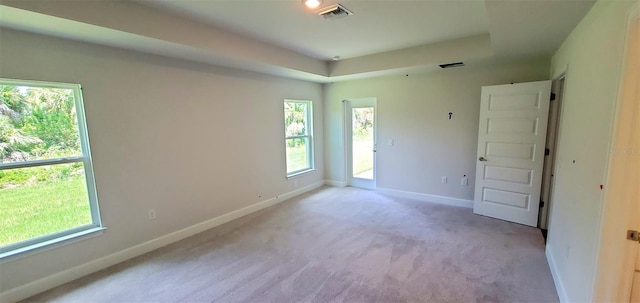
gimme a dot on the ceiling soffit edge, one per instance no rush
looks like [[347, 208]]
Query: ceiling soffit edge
[[77, 22]]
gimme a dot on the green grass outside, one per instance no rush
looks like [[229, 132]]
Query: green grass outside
[[42, 208], [296, 158], [362, 156]]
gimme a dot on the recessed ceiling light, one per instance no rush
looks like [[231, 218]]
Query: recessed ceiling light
[[312, 3]]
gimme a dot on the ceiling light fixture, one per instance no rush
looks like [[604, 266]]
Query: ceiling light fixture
[[312, 3]]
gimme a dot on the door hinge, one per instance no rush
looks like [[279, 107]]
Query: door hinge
[[633, 235], [546, 151], [541, 203], [553, 96]]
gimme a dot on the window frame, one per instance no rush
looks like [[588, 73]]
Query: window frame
[[85, 158], [309, 136]]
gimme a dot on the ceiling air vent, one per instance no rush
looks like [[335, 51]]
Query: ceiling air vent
[[450, 65], [334, 12]]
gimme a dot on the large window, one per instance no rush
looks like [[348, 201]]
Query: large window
[[298, 127], [47, 191]]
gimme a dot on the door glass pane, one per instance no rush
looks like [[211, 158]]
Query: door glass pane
[[363, 144], [38, 201]]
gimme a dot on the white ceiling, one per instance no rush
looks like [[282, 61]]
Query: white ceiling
[[525, 28], [518, 28], [376, 25], [283, 38]]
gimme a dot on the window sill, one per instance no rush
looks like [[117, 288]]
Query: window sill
[[40, 247], [300, 173]]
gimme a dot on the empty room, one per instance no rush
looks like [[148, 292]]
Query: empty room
[[319, 151]]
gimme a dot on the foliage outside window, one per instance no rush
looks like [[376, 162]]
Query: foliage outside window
[[298, 127], [47, 191], [362, 141]]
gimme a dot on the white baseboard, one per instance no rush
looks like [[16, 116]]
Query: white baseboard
[[425, 197], [562, 294], [291, 194], [335, 183], [40, 285]]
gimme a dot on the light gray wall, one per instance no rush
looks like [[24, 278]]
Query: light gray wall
[[592, 54], [192, 141], [413, 111]]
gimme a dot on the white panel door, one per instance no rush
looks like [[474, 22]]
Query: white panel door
[[511, 139]]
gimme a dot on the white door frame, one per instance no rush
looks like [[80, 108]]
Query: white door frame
[[349, 104], [553, 136]]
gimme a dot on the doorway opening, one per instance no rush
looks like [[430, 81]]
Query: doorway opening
[[551, 146], [360, 134]]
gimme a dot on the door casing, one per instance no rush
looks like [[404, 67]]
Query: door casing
[[553, 136]]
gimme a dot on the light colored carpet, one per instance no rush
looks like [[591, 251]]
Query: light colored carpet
[[335, 245]]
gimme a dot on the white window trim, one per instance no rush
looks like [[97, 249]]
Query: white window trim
[[309, 135], [79, 231]]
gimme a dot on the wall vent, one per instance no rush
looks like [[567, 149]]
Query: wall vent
[[334, 12], [450, 65]]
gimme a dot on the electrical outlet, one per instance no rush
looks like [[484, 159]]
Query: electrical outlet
[[152, 214], [444, 179], [295, 183], [464, 181]]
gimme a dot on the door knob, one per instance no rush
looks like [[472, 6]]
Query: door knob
[[482, 159]]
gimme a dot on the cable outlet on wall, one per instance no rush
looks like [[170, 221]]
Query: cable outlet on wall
[[444, 179], [152, 213], [464, 181]]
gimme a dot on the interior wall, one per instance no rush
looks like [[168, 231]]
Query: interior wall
[[617, 257], [413, 112], [592, 56], [192, 141]]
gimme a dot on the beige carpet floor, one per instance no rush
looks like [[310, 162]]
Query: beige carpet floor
[[335, 245]]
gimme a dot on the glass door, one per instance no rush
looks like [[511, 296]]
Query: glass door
[[361, 116]]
